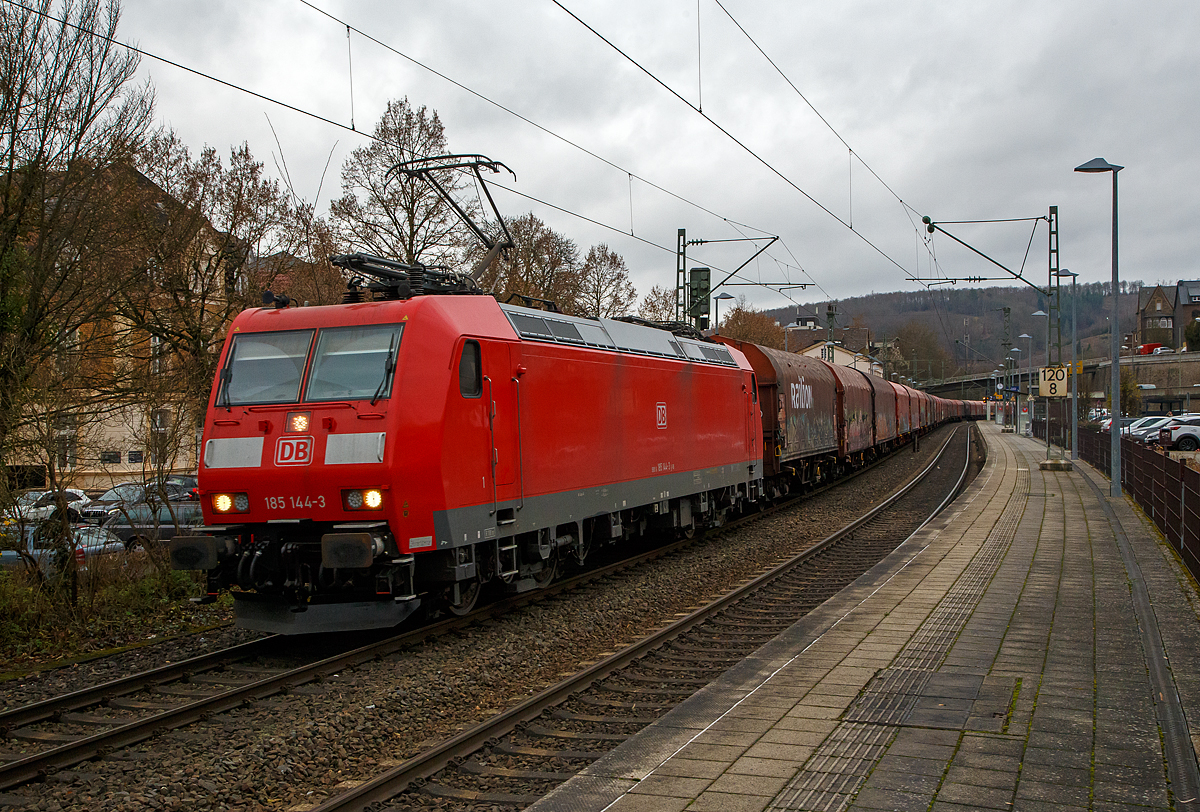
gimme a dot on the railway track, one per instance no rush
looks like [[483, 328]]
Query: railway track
[[517, 757], [92, 723], [96, 721]]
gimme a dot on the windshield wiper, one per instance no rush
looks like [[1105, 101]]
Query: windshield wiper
[[389, 366], [226, 376]]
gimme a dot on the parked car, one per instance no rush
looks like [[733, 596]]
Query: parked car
[[1182, 433], [1162, 351], [139, 525], [127, 494], [1146, 429], [47, 502], [15, 537], [23, 503], [1125, 422], [88, 541], [1141, 421]]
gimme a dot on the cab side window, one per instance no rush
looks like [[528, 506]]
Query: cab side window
[[470, 372]]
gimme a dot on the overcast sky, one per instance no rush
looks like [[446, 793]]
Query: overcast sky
[[965, 110]]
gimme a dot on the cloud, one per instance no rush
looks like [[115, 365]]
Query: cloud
[[965, 110]]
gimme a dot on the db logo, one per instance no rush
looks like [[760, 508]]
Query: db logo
[[661, 413], [293, 451]]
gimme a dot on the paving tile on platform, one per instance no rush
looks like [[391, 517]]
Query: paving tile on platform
[[725, 802], [870, 798], [976, 797], [748, 784], [747, 765], [671, 786], [1052, 793], [912, 765]]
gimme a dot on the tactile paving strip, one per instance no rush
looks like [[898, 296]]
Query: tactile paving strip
[[833, 774]]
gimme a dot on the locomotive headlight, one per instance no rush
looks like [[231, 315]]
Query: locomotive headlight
[[231, 502], [298, 421], [365, 499]]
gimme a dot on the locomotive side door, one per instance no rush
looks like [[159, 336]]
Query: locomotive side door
[[500, 399], [753, 422]]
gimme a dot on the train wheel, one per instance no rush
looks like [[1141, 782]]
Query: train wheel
[[548, 571], [468, 595]]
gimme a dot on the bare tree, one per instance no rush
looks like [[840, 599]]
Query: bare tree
[[920, 347], [746, 323], [604, 286], [659, 305], [542, 264], [70, 122], [392, 215], [213, 237]]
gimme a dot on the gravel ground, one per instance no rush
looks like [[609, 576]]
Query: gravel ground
[[289, 752]]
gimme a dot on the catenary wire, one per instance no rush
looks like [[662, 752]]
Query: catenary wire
[[370, 136], [630, 174], [767, 164]]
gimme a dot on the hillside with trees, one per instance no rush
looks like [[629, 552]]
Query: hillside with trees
[[940, 325]]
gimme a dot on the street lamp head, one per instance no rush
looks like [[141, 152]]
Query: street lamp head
[[1098, 165], [1024, 335], [1039, 313], [1065, 272], [722, 296]]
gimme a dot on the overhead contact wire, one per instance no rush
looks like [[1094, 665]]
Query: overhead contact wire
[[767, 164]]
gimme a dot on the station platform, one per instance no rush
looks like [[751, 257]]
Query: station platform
[[1035, 647]]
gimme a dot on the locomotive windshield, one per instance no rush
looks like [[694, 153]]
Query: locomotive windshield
[[349, 363], [265, 367], [353, 363]]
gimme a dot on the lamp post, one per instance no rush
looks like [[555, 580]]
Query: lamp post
[[1017, 386], [1047, 403], [722, 296], [1074, 369], [1114, 486], [1029, 360]]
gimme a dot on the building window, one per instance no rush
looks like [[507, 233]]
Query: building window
[[160, 421], [67, 448], [1158, 305], [156, 354]]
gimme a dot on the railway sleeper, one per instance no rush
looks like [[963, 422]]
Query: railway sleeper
[[439, 791], [657, 680], [538, 730], [567, 716], [510, 749], [602, 701], [473, 767]]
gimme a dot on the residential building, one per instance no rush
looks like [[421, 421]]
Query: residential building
[[1156, 316], [837, 354]]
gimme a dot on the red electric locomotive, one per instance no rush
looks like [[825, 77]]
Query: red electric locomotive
[[361, 459]]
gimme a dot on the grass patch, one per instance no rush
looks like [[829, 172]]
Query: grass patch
[[114, 601]]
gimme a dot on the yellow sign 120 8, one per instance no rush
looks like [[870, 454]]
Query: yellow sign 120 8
[[1052, 382]]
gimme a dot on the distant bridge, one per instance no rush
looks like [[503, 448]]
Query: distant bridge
[[1166, 382]]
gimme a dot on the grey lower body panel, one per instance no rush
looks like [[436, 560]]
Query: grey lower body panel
[[476, 523]]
